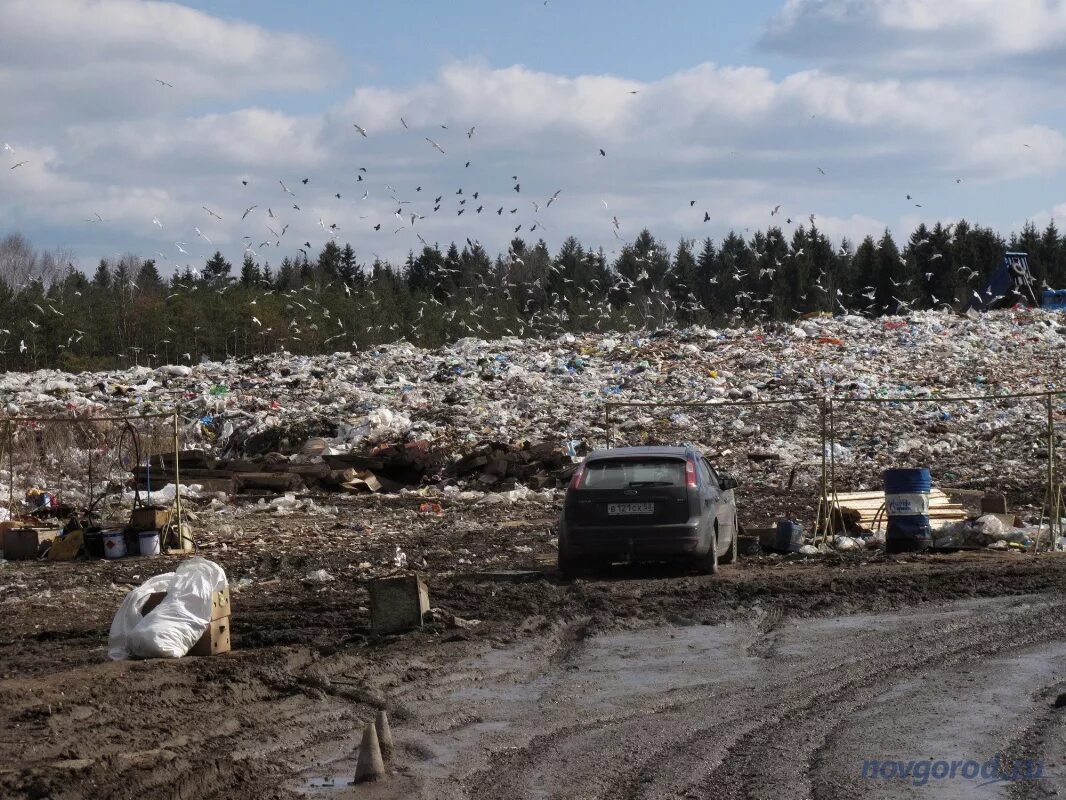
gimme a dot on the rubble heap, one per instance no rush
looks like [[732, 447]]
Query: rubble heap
[[517, 411]]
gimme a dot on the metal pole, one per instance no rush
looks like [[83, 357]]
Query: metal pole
[[832, 450], [827, 508], [1052, 511], [11, 471], [177, 481]]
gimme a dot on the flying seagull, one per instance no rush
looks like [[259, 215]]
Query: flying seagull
[[360, 128], [437, 146], [212, 213]]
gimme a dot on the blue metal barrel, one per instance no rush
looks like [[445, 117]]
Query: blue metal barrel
[[907, 510]]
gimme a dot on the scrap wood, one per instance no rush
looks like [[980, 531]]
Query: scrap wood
[[870, 504]]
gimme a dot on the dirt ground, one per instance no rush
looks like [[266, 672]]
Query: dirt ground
[[502, 696]]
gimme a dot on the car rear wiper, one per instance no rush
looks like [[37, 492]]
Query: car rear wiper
[[634, 484]]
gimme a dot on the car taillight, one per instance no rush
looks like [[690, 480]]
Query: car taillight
[[575, 479], [690, 474]]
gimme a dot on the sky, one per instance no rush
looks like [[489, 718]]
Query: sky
[[170, 130]]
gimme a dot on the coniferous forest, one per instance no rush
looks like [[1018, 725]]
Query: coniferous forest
[[127, 312]]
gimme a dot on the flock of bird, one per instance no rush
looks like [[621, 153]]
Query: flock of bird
[[270, 214]]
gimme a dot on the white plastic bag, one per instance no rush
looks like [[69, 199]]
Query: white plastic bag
[[173, 627], [129, 614]]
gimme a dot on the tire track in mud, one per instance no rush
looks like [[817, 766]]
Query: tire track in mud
[[631, 726], [750, 772], [763, 742], [1048, 732]]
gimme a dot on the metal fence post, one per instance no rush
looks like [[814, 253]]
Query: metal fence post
[[827, 508], [177, 478], [1053, 512]]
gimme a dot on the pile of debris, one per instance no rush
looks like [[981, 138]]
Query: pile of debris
[[496, 463], [439, 412], [384, 468]]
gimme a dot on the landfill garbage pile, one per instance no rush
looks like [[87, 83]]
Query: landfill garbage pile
[[516, 412]]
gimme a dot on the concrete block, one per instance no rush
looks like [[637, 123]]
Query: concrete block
[[993, 503], [397, 604]]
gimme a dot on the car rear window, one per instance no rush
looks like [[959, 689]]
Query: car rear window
[[631, 473]]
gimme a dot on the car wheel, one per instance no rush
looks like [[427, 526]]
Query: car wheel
[[730, 556], [708, 565]]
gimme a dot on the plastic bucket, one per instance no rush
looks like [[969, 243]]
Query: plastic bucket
[[94, 544], [149, 543], [114, 544], [907, 510]]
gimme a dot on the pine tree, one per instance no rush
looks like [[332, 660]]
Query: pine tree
[[250, 274], [217, 268]]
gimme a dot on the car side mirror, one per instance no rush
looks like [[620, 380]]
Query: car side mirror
[[727, 482]]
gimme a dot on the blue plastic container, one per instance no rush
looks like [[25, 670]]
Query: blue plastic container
[[907, 510], [908, 481], [1053, 299], [789, 536]]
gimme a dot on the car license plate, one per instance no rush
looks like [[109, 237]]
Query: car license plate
[[630, 508]]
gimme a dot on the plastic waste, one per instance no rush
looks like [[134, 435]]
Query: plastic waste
[[172, 627]]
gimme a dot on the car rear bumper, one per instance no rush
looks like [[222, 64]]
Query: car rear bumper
[[635, 543]]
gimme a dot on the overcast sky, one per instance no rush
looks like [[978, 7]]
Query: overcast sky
[[138, 122]]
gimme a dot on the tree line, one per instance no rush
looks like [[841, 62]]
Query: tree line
[[126, 312]]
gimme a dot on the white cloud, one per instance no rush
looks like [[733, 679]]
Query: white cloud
[[102, 137], [101, 58], [920, 34]]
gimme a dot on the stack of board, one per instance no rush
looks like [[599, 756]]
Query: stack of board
[[871, 506]]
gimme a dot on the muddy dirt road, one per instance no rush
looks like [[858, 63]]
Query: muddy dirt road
[[768, 708], [776, 678]]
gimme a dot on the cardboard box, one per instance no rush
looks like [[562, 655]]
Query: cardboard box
[[220, 604], [397, 604], [149, 518], [26, 544], [216, 638]]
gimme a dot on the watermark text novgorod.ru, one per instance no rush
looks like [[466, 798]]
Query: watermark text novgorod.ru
[[921, 772]]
